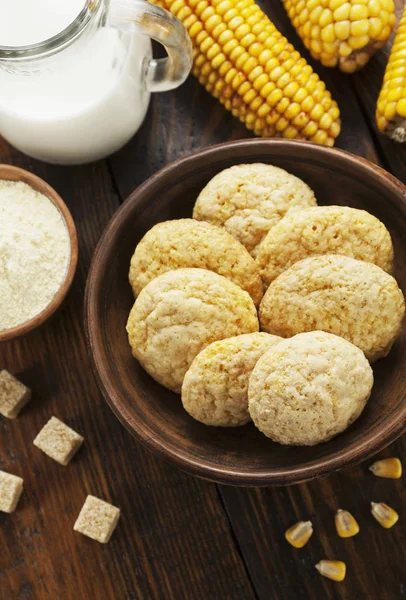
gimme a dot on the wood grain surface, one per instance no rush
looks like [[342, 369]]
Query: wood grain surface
[[179, 537]]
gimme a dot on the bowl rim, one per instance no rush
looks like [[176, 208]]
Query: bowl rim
[[12, 173], [378, 438]]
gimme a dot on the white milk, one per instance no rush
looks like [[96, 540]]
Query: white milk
[[24, 22], [87, 103]]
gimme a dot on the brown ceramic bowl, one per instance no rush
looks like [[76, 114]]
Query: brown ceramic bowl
[[239, 456], [11, 173]]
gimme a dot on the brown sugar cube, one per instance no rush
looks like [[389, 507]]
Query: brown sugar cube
[[97, 519], [58, 441], [11, 488], [13, 395]]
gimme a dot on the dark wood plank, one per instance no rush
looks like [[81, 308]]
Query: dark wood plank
[[374, 558], [173, 540]]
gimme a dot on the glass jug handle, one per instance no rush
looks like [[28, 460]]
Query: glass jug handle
[[141, 17]]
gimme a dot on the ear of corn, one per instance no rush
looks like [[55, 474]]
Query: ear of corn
[[343, 33], [384, 514], [299, 534], [243, 60], [333, 569], [391, 106], [345, 524], [390, 468]]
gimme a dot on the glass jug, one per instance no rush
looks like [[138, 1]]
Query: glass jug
[[81, 94]]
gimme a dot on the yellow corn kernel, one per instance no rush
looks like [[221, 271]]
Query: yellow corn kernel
[[328, 61], [384, 514], [345, 524], [361, 59], [316, 47], [315, 15], [374, 8], [390, 111], [333, 4], [343, 12], [344, 51], [241, 58], [358, 11], [291, 132], [350, 66], [320, 137], [327, 34], [333, 569], [310, 129], [301, 120], [360, 27], [299, 534], [390, 468], [358, 41], [391, 105], [342, 30], [348, 26], [281, 124], [401, 107], [326, 18]]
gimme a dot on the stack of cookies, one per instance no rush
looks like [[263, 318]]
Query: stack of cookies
[[259, 254]]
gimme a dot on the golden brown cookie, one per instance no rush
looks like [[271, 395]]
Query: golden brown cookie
[[185, 243], [248, 199], [181, 312], [215, 388], [309, 388], [351, 298], [324, 230]]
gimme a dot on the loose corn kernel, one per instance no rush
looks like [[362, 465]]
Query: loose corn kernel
[[345, 524], [391, 105], [241, 58], [349, 27], [384, 514], [299, 534], [390, 468], [333, 569]]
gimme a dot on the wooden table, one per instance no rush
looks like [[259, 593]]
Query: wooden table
[[179, 537]]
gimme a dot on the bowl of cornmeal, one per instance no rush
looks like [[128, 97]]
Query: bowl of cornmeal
[[38, 251], [244, 312]]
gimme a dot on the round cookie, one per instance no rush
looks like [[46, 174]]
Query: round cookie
[[247, 200], [324, 230], [181, 312], [189, 243], [351, 298], [307, 389], [215, 388]]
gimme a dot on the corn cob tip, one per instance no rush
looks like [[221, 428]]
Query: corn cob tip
[[332, 569], [343, 33], [390, 468], [299, 534], [391, 105], [396, 129], [384, 514], [345, 523]]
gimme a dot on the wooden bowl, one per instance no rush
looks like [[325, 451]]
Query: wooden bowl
[[239, 456], [9, 173]]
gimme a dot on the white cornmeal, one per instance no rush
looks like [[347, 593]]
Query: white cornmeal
[[34, 253]]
